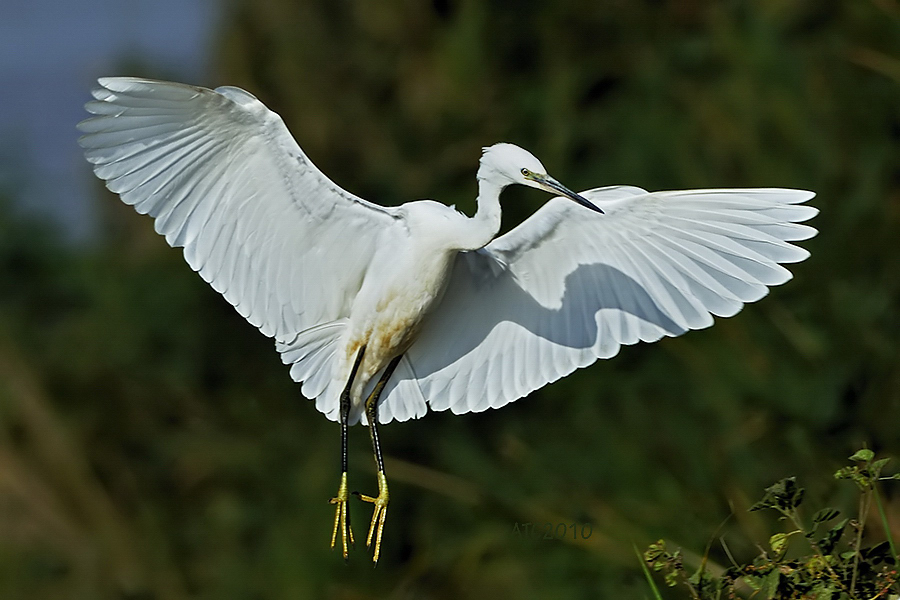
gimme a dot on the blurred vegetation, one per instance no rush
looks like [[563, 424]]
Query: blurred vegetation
[[152, 446]]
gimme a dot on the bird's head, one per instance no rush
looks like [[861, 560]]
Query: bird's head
[[505, 164]]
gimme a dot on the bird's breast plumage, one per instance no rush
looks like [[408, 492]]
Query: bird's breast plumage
[[399, 291]]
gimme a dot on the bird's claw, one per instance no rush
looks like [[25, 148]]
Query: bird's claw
[[378, 517], [342, 518]]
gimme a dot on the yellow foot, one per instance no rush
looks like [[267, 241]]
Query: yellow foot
[[380, 514], [342, 517]]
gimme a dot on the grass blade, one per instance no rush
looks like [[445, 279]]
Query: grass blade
[[885, 524]]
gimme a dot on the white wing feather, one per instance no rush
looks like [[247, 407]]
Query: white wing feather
[[570, 286], [224, 179]]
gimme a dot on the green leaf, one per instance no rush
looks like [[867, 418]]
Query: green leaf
[[826, 514], [770, 586], [827, 543], [701, 579], [859, 475], [825, 590], [778, 542], [877, 466], [845, 472], [864, 455], [671, 579], [783, 496], [655, 551], [753, 580], [816, 564], [878, 553]]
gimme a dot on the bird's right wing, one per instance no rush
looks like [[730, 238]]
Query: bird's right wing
[[223, 178], [569, 286]]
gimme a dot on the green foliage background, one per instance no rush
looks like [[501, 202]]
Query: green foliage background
[[152, 446]]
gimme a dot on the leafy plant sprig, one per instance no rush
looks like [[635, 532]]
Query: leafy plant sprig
[[839, 567]]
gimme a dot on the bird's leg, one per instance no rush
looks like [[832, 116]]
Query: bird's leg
[[381, 501], [341, 514]]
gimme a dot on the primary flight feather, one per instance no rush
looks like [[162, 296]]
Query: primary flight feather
[[384, 312]]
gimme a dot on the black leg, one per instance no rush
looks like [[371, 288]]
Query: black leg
[[341, 512], [381, 501], [345, 408], [372, 410]]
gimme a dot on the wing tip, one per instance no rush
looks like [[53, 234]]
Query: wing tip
[[803, 196], [121, 83], [140, 87]]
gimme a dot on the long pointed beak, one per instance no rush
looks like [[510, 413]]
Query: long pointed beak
[[552, 185]]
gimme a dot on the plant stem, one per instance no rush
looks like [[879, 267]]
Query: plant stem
[[865, 503]]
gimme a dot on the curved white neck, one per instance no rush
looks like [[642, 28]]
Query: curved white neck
[[486, 222]]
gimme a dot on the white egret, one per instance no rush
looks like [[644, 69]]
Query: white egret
[[383, 312]]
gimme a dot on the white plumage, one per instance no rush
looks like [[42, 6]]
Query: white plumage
[[290, 250]]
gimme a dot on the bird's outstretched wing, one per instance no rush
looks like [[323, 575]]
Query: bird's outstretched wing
[[223, 178], [569, 286]]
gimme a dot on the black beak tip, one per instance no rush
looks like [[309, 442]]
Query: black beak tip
[[553, 186], [588, 204]]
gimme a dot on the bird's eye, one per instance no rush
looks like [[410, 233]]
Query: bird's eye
[[526, 172]]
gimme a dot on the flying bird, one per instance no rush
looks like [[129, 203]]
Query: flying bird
[[385, 312]]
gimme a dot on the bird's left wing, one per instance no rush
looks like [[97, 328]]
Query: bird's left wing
[[223, 178], [569, 286]]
